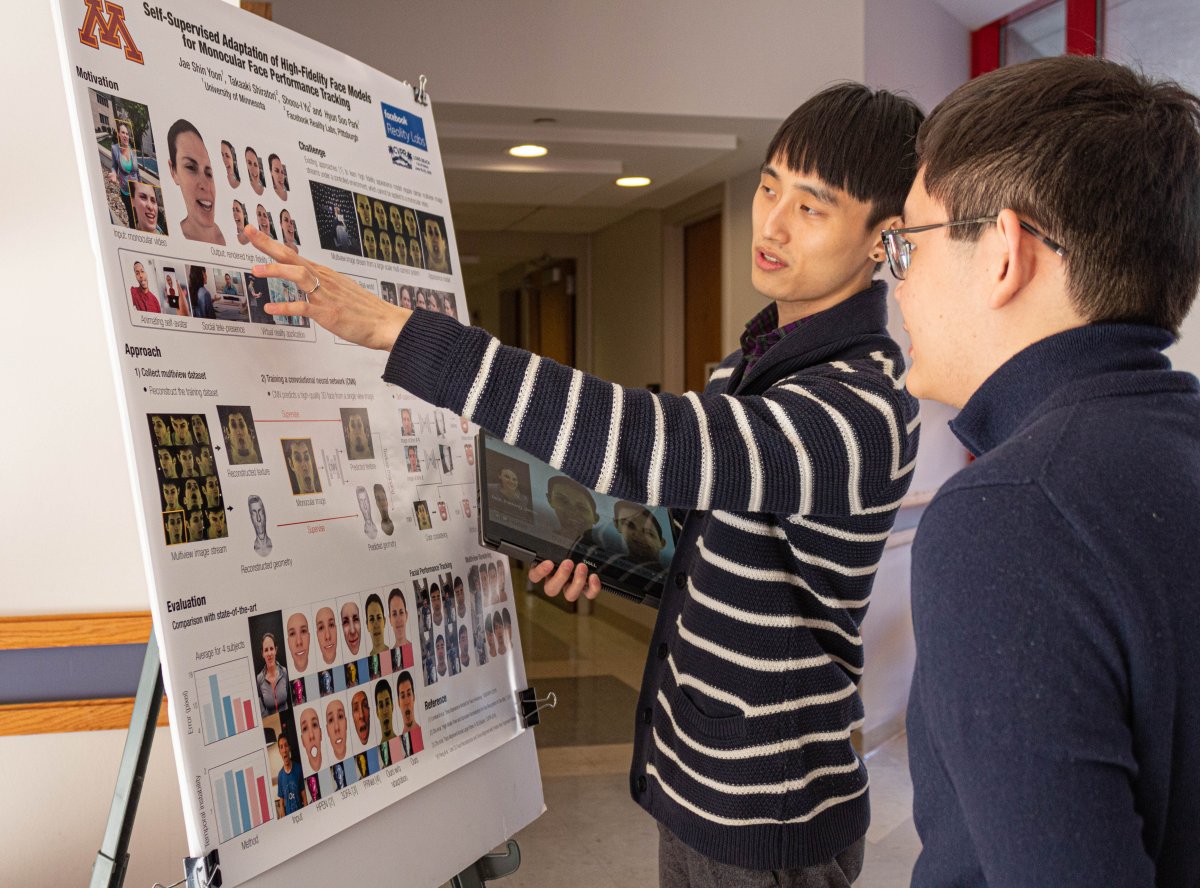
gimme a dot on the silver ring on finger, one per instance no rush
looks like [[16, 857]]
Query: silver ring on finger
[[313, 288]]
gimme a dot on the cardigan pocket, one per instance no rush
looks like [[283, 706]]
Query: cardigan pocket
[[723, 728]]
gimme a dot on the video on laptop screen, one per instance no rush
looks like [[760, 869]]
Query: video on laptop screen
[[531, 506]]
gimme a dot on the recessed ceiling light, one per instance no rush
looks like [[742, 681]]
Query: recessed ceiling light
[[633, 181], [527, 151], [545, 120]]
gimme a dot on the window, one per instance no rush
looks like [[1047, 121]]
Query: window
[[1038, 35], [1039, 30], [1157, 36]]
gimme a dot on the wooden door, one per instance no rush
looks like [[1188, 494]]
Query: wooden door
[[701, 300]]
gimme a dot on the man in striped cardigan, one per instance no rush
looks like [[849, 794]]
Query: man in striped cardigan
[[791, 465]]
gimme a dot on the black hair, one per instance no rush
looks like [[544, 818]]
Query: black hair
[[1104, 160], [178, 128], [232, 153], [860, 140]]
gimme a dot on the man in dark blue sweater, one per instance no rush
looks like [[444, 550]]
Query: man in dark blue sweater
[[1052, 253], [791, 466]]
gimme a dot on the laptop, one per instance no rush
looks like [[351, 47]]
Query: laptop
[[533, 512]]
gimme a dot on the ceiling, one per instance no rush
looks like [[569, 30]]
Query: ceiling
[[571, 190]]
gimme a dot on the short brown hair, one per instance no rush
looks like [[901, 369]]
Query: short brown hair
[[860, 140], [1103, 159]]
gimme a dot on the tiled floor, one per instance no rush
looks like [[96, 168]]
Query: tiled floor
[[592, 835]]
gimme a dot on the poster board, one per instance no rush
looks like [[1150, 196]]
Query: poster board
[[299, 519]]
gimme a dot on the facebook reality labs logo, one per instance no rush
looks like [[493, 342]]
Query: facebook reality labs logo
[[404, 127]]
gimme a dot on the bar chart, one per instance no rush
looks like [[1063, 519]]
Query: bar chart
[[242, 792], [227, 700]]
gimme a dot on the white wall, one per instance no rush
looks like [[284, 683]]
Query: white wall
[[673, 56], [1160, 38], [915, 47], [627, 289], [742, 301], [888, 644], [68, 542], [59, 788]]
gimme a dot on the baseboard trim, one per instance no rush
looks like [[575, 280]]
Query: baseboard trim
[[69, 716], [74, 630]]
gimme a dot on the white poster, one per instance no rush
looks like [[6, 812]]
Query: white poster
[[333, 638]]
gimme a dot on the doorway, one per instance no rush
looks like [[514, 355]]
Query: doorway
[[701, 300]]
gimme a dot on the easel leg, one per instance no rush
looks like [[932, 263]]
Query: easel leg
[[489, 867], [113, 856]]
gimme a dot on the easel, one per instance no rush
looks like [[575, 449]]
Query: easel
[[204, 872]]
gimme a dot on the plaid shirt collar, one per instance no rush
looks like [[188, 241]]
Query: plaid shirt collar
[[763, 331]]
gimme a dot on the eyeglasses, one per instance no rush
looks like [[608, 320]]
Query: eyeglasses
[[899, 248]]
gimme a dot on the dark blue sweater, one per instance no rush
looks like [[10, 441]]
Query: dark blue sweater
[[792, 471], [1054, 724]]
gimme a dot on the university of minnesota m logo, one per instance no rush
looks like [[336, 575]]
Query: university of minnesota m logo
[[105, 23]]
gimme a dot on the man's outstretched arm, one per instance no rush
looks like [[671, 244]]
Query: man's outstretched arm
[[834, 443]]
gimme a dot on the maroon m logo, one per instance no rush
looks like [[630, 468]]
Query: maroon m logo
[[105, 23]]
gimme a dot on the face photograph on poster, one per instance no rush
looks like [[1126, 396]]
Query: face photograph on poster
[[191, 171], [240, 434], [147, 204], [433, 240], [301, 465], [356, 427]]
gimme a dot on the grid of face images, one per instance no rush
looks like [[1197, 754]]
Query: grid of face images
[[459, 625], [193, 507], [439, 456], [417, 297], [159, 285], [337, 691], [349, 222]]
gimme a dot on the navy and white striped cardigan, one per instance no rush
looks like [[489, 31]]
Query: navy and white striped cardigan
[[792, 474]]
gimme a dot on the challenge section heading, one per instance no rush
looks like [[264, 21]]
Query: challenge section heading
[[249, 57]]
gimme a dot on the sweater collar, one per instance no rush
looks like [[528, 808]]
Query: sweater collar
[[864, 312], [1051, 373]]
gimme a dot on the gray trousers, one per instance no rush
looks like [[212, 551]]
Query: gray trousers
[[681, 867]]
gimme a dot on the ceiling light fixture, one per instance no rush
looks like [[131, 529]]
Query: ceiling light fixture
[[633, 181], [528, 151]]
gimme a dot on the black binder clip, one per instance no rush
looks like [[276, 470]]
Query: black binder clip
[[419, 95], [203, 872], [531, 706]]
